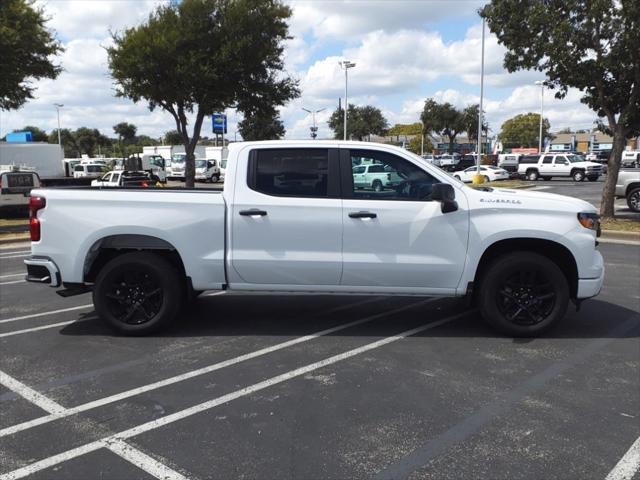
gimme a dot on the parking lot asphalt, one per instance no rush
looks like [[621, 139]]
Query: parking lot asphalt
[[308, 387]]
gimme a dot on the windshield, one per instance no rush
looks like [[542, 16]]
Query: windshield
[[421, 161], [201, 164], [178, 158]]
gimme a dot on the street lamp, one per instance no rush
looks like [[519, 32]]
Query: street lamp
[[478, 178], [58, 107], [541, 83], [314, 129], [346, 64]]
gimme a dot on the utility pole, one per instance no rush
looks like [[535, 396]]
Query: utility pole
[[478, 178], [346, 64], [314, 129], [58, 107], [541, 83]]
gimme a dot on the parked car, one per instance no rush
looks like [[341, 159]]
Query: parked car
[[630, 158], [489, 172], [628, 186], [374, 176], [207, 171], [152, 249], [465, 162], [123, 178], [551, 165], [509, 162], [88, 170], [15, 186]]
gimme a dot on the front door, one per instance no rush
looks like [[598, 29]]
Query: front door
[[398, 237], [286, 219]]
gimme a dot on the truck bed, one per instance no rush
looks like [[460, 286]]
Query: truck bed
[[79, 220]]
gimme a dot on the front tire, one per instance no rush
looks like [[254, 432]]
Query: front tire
[[138, 293], [633, 200], [578, 176], [523, 294]]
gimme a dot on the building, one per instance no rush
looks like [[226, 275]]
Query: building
[[586, 142]]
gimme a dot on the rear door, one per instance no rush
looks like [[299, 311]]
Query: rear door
[[286, 224], [398, 239], [547, 166]]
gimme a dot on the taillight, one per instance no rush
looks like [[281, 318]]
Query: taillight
[[35, 204]]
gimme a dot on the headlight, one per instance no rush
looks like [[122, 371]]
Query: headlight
[[590, 221]]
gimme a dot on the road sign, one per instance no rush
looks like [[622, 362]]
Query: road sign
[[219, 123]]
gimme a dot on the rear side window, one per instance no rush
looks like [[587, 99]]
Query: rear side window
[[376, 169], [547, 159], [290, 172], [78, 168]]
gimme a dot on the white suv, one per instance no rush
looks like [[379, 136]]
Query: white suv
[[551, 165]]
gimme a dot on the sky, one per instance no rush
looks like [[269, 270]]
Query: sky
[[405, 51]]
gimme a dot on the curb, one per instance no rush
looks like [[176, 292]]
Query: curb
[[617, 235]]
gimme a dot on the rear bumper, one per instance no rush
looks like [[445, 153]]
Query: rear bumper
[[42, 270], [590, 287]]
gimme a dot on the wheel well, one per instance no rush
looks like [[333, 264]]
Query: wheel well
[[630, 187], [108, 248], [532, 169], [554, 251]]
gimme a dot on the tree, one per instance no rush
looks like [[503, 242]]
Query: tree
[[443, 119], [125, 131], [590, 45], [523, 131], [362, 122], [172, 137], [415, 145], [37, 134], [26, 48], [405, 129], [84, 140], [470, 117], [262, 125], [204, 56]]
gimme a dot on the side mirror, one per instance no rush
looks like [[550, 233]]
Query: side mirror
[[446, 195]]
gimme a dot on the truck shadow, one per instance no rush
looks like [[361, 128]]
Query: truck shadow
[[292, 316]]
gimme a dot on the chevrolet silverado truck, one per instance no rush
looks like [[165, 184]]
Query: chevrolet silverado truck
[[551, 165], [521, 256]]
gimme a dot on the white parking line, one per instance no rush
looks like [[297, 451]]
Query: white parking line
[[628, 465], [44, 327], [208, 405], [30, 394], [12, 282], [42, 314], [14, 275], [195, 373], [144, 461]]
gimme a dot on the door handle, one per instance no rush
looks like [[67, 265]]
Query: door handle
[[362, 215], [254, 212]]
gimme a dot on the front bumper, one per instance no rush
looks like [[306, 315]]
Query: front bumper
[[590, 287], [42, 270]]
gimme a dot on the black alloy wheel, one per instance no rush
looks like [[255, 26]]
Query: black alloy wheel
[[526, 297], [135, 295]]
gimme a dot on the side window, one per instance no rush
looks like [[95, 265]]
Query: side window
[[359, 170], [398, 179], [547, 159], [290, 172], [562, 160]]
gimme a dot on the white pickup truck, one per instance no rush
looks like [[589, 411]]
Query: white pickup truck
[[551, 165], [521, 256]]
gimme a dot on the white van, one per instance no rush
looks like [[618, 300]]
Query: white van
[[89, 170]]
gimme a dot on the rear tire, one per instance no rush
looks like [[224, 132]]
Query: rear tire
[[486, 179], [532, 175], [377, 186], [523, 294], [633, 200], [138, 293]]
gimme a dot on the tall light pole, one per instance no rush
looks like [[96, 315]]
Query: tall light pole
[[478, 178], [314, 129], [58, 107], [346, 64], [541, 83]]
